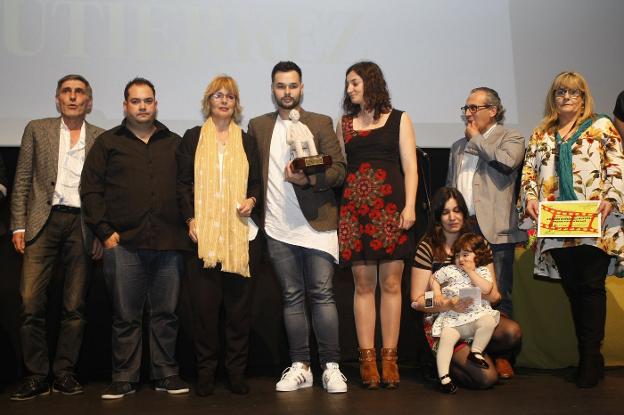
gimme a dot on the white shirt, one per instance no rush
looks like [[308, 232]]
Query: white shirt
[[284, 220], [467, 172], [70, 162]]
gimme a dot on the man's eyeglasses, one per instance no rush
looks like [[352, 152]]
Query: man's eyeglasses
[[218, 96], [572, 93], [474, 108]]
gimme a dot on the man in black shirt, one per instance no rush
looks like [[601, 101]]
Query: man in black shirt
[[128, 192]]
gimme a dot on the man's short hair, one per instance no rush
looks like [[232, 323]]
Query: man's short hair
[[494, 100], [138, 81], [74, 77], [285, 66]]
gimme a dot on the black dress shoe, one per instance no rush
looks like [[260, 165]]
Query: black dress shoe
[[30, 388], [117, 390], [67, 385], [205, 387], [477, 360], [449, 387], [238, 385]]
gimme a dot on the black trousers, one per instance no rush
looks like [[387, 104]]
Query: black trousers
[[62, 234], [583, 270], [212, 290]]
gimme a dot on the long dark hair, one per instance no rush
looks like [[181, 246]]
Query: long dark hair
[[376, 95], [435, 233]]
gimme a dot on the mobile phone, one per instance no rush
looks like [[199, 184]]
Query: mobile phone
[[428, 299]]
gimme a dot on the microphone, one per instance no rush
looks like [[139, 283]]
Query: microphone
[[422, 152]]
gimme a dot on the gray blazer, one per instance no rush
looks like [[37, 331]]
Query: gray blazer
[[318, 204], [494, 182], [36, 173]]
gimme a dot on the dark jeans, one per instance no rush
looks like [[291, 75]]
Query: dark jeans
[[302, 273], [138, 280], [210, 291], [62, 234], [583, 271], [503, 258]]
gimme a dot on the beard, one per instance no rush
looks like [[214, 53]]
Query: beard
[[294, 103]]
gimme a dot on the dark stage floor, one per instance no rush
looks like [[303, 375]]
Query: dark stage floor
[[531, 392]]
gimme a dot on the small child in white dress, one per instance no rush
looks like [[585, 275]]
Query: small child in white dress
[[469, 319]]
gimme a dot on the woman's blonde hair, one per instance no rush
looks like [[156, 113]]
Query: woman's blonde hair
[[568, 80], [229, 84]]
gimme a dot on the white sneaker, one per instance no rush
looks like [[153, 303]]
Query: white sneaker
[[333, 379], [295, 377]]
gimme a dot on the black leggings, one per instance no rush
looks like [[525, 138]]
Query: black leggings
[[583, 270]]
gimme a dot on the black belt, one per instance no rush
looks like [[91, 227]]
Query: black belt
[[66, 209]]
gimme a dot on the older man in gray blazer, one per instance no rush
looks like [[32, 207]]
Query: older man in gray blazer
[[46, 222], [484, 166]]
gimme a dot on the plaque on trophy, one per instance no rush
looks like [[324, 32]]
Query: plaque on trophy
[[301, 141]]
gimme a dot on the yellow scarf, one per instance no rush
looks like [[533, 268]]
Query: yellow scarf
[[222, 235]]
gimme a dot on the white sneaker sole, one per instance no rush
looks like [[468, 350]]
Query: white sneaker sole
[[302, 386], [173, 391], [110, 396], [335, 390]]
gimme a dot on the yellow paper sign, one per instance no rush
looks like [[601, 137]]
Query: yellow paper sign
[[569, 219]]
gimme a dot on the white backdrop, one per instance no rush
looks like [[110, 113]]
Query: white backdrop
[[432, 54]]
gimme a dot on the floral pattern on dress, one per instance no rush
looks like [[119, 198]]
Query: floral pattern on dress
[[364, 191], [349, 132], [597, 166]]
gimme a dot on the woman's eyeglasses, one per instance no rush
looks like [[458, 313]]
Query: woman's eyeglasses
[[572, 93], [218, 96]]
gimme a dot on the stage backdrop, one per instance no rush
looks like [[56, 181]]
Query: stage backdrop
[[432, 54]]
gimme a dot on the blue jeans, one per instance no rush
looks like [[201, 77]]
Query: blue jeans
[[307, 273], [503, 258], [139, 279]]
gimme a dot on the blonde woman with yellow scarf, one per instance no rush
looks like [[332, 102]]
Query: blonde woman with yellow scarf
[[218, 193]]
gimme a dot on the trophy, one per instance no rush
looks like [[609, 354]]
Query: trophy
[[301, 141]]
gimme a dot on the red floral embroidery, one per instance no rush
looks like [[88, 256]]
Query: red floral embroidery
[[381, 175], [358, 246], [364, 212], [370, 229], [376, 244], [348, 133]]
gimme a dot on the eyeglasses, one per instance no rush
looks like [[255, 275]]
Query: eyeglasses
[[219, 96], [572, 93], [474, 108]]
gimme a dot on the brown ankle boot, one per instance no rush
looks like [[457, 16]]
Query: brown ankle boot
[[389, 368], [368, 368]]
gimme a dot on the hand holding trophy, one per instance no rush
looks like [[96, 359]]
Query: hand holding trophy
[[301, 140]]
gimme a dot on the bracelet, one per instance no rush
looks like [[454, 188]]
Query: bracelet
[[253, 199], [189, 220]]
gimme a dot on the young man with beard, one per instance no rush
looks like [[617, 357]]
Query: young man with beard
[[300, 222]]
